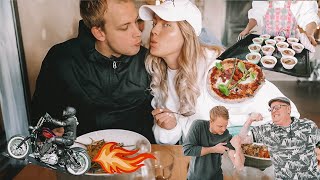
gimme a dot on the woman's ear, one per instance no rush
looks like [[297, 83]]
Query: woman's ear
[[98, 33]]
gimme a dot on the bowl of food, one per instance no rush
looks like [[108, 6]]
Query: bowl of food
[[257, 40], [282, 45], [127, 142], [256, 155], [267, 50], [287, 52], [253, 57], [254, 47], [268, 61], [288, 62], [297, 47], [279, 38], [271, 42], [265, 36], [292, 40]]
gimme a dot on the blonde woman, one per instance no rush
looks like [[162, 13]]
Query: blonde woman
[[178, 65], [176, 70]]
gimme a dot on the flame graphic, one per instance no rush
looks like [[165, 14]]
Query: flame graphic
[[114, 159]]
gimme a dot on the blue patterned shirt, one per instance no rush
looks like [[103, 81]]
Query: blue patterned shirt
[[292, 148]]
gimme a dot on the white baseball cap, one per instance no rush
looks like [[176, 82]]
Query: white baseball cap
[[174, 10]]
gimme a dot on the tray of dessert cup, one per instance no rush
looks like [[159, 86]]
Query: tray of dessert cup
[[288, 56]]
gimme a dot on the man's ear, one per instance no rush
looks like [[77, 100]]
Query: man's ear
[[98, 33]]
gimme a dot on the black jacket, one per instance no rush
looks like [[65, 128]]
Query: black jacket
[[74, 74]]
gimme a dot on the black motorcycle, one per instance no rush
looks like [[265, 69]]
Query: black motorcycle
[[74, 160]]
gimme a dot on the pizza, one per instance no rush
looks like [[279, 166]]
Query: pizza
[[233, 80]]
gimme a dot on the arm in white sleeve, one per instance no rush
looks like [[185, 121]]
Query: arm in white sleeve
[[258, 10], [307, 13], [164, 136]]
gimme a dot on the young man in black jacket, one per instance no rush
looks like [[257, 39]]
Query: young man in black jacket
[[100, 73]]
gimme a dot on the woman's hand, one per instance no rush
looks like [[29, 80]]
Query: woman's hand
[[309, 32], [243, 34], [312, 40], [164, 118], [251, 24], [308, 41]]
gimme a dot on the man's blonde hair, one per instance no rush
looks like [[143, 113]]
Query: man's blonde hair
[[219, 111], [92, 12]]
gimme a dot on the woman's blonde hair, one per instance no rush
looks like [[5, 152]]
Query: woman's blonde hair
[[185, 80]]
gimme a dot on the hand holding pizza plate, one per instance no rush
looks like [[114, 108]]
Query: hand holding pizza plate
[[234, 81]]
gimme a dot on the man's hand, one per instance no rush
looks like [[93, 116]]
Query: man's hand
[[164, 118], [220, 148], [58, 131], [255, 117], [47, 117], [318, 156]]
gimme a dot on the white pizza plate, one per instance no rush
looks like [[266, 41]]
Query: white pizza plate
[[128, 138]]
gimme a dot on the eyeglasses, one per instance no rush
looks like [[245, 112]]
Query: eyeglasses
[[276, 107]]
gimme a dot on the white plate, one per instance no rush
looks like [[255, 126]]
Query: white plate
[[112, 135]]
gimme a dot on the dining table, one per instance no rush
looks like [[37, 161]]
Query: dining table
[[179, 169]]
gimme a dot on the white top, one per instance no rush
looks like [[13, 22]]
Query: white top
[[305, 12], [238, 113]]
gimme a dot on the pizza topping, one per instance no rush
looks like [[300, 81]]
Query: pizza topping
[[218, 65], [224, 87], [237, 77]]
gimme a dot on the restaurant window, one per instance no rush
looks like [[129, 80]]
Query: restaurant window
[[2, 134], [13, 109]]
